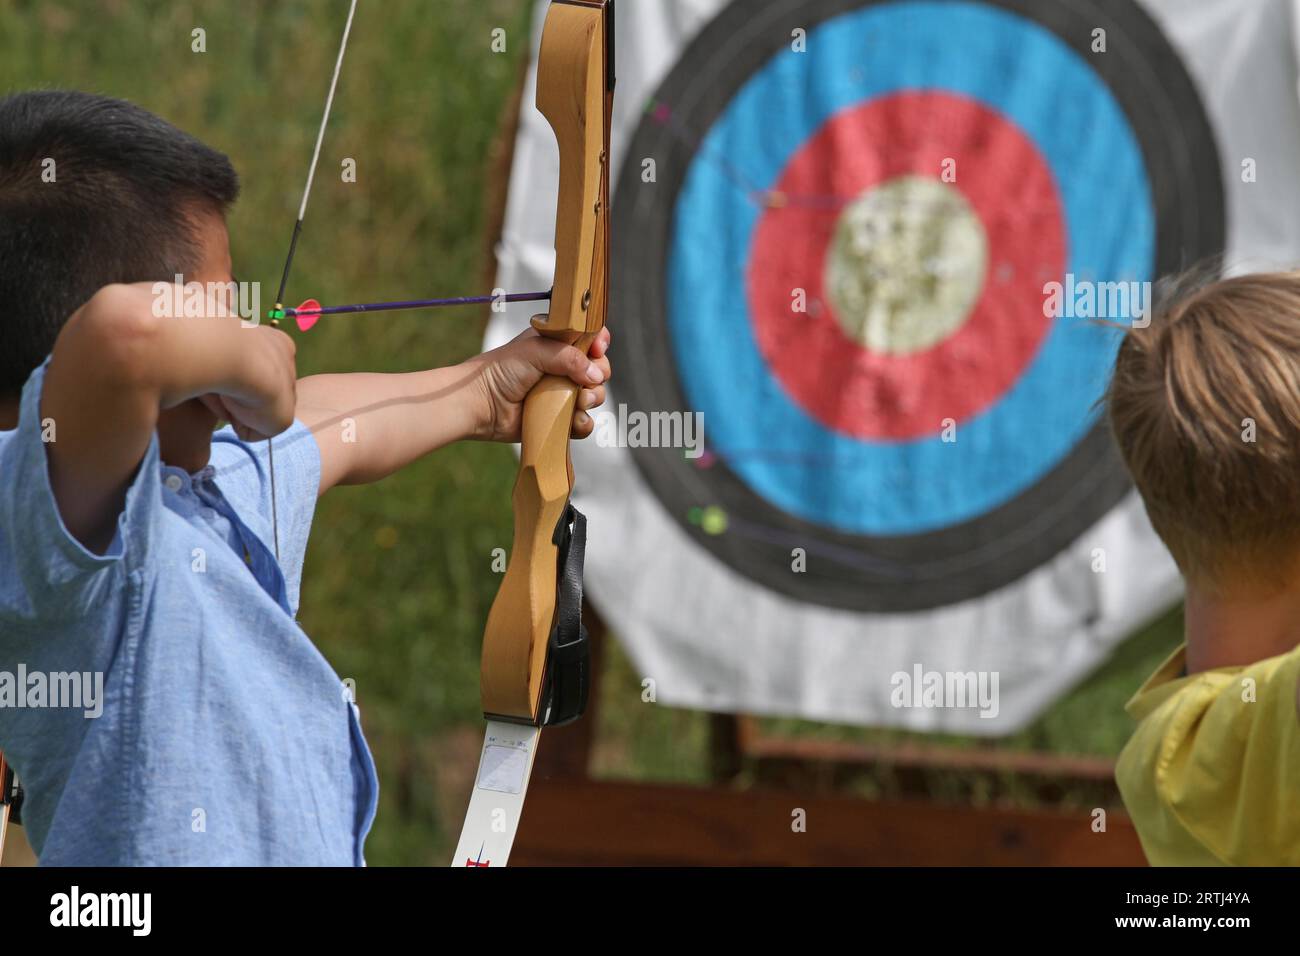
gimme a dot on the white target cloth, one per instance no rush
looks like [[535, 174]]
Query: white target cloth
[[713, 639]]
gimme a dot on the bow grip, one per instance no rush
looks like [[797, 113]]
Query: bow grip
[[520, 621]]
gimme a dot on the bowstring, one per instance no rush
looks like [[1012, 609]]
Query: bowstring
[[293, 246]]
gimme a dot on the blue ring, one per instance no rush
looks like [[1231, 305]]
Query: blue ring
[[870, 487]]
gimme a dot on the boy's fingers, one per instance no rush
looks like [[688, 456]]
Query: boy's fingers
[[600, 345], [553, 358], [600, 342], [583, 424]]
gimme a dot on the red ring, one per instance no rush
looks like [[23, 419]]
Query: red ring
[[858, 391]]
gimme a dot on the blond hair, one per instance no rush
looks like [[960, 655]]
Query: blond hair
[[1205, 407]]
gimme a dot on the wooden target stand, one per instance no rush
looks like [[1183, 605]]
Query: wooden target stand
[[571, 818]]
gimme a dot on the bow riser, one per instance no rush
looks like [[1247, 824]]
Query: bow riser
[[574, 93]]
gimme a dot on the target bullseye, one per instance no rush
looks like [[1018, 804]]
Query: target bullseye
[[905, 265]]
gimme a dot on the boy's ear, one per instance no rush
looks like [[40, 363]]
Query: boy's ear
[[213, 238]]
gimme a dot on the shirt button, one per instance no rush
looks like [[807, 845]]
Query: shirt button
[[174, 482]]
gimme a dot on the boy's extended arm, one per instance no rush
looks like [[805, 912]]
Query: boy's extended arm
[[116, 366], [369, 425]]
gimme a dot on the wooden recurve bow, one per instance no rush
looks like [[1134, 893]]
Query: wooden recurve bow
[[535, 657]]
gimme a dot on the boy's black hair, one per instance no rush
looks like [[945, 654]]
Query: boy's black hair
[[93, 191]]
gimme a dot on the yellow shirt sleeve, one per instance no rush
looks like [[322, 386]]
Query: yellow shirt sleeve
[[1212, 773]]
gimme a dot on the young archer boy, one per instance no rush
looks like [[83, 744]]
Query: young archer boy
[[1205, 406], [136, 543]]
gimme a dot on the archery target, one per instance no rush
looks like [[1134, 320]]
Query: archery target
[[823, 172], [842, 268]]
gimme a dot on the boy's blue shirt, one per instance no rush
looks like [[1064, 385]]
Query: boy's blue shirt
[[225, 738]]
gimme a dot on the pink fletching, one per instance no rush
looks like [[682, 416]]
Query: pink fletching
[[312, 309]]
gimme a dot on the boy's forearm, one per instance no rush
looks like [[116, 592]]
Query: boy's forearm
[[167, 360], [210, 356], [369, 425]]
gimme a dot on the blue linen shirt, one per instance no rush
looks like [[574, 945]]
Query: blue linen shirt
[[223, 736]]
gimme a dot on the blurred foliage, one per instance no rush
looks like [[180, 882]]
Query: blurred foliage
[[398, 579]]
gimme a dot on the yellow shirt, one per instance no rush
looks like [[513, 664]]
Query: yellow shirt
[[1211, 776]]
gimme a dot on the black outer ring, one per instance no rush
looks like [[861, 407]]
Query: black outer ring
[[912, 572]]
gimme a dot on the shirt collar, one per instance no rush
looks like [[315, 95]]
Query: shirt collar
[[1160, 686]]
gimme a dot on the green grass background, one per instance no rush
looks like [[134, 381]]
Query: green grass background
[[398, 583]]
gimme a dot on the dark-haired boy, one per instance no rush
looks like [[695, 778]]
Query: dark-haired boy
[[137, 546]]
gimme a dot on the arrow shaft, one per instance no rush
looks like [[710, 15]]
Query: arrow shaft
[[420, 304]]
